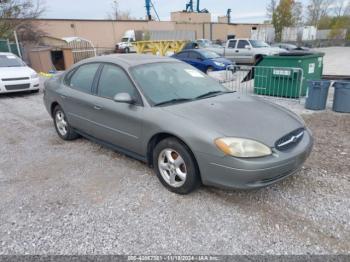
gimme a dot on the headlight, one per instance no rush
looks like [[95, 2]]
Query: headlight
[[219, 64], [241, 147], [35, 75]]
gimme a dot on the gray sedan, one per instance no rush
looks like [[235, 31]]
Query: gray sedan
[[191, 129]]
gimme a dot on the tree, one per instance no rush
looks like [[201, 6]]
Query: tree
[[338, 25], [297, 11], [271, 8], [18, 15], [116, 14], [283, 17], [341, 7], [347, 9], [316, 10]]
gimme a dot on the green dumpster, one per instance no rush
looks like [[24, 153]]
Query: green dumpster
[[286, 74]]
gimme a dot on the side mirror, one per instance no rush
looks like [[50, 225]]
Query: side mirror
[[247, 47], [124, 98]]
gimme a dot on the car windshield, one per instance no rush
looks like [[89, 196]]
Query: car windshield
[[125, 39], [258, 44], [10, 61], [174, 82], [209, 54]]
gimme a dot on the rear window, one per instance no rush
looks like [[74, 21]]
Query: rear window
[[182, 55], [194, 55], [83, 77], [10, 61], [232, 44]]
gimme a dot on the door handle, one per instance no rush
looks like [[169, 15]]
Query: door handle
[[97, 107], [237, 51]]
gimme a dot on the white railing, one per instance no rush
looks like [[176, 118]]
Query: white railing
[[272, 82]]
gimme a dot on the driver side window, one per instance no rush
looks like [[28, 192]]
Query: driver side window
[[242, 44], [114, 80]]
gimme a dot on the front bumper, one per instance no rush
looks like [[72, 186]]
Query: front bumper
[[19, 85], [235, 173]]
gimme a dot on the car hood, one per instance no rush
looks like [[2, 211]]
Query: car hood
[[232, 115], [13, 72]]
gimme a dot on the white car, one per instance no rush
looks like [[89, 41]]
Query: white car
[[16, 76]]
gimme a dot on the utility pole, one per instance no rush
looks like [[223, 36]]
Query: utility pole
[[18, 47]]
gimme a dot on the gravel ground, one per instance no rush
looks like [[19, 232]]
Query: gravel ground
[[77, 197]]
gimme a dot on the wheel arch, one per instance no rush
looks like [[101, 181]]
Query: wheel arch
[[52, 107], [257, 58], [155, 139]]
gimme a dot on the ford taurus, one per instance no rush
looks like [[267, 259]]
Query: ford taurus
[[187, 126]]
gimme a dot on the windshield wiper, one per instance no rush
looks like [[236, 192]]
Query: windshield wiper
[[174, 101], [213, 93]]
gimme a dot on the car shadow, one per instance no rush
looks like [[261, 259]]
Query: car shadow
[[19, 94]]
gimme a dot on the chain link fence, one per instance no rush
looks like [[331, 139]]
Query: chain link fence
[[7, 46]]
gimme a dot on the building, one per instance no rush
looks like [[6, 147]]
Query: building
[[104, 34]]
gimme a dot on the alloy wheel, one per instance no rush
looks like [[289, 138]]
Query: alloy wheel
[[172, 167], [61, 123]]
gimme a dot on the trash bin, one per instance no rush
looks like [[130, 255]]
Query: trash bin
[[286, 74], [341, 102], [317, 94]]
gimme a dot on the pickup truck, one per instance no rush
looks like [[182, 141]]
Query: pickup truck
[[245, 51]]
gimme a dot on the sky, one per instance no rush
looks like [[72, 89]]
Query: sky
[[243, 11]]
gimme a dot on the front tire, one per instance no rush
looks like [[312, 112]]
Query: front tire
[[127, 50], [63, 129], [175, 166], [209, 70]]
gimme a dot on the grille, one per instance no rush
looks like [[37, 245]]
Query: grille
[[15, 79], [290, 140], [17, 87]]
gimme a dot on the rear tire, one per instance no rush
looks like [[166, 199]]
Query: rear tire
[[63, 129], [175, 166]]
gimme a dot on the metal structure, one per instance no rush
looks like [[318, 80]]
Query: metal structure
[[81, 48], [285, 83], [161, 47], [228, 14], [149, 5], [189, 7]]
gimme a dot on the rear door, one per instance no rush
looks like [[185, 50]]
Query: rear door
[[117, 123], [77, 99]]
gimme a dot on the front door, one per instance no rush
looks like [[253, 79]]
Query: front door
[[119, 124], [244, 54], [196, 60]]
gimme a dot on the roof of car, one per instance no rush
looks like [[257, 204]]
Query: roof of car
[[129, 60]]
